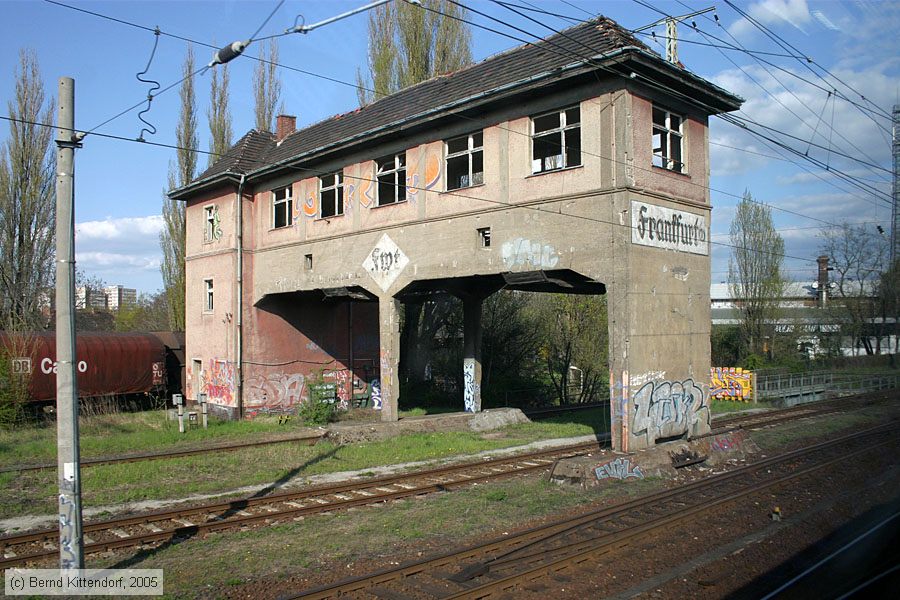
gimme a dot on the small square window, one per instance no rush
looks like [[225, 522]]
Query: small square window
[[307, 262], [484, 236]]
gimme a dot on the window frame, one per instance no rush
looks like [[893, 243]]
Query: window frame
[[663, 154], [563, 129], [338, 188], [287, 202], [394, 173], [470, 152], [209, 228], [209, 295]]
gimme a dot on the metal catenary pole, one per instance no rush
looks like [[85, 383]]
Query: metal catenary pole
[[71, 555]]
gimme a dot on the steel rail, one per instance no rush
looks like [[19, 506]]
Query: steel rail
[[517, 464], [537, 534]]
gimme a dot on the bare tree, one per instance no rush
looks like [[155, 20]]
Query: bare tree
[[409, 43], [219, 115], [267, 87], [27, 201], [858, 256], [754, 269], [181, 173]]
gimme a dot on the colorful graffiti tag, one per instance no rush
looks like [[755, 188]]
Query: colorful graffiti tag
[[731, 383], [620, 468], [376, 394], [665, 409], [274, 393], [341, 379], [470, 387], [218, 382]]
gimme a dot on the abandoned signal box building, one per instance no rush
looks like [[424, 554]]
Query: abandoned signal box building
[[578, 165]]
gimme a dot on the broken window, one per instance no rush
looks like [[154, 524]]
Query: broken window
[[208, 306], [282, 208], [465, 161], [331, 194], [667, 140], [209, 231], [391, 176], [556, 140]]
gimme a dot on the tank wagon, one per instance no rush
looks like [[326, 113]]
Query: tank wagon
[[107, 364]]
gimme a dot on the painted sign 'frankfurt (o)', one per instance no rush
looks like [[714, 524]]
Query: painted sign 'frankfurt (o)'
[[667, 228]]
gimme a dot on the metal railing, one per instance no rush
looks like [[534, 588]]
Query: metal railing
[[803, 387]]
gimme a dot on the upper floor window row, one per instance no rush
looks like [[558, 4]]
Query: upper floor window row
[[556, 140], [282, 208], [667, 139]]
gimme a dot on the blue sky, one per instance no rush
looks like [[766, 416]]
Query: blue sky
[[119, 184]]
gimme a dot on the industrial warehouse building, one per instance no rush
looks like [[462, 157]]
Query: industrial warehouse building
[[579, 164]]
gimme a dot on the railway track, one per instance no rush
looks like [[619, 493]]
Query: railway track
[[162, 526], [502, 565]]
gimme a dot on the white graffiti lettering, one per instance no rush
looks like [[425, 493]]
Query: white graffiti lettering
[[278, 392], [619, 468], [521, 251], [669, 408], [470, 387]]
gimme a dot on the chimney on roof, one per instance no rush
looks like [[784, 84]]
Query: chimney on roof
[[285, 125]]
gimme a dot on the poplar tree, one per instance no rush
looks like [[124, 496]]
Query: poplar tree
[[410, 43], [27, 201], [182, 172], [267, 87], [219, 115], [754, 269]]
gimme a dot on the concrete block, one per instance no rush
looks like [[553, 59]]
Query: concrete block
[[496, 418]]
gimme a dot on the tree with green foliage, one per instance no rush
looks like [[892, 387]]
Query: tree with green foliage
[[574, 334], [27, 202], [754, 270], [149, 313], [219, 115], [409, 43], [182, 172], [267, 87]]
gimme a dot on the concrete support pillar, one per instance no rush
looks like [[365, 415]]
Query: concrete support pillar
[[472, 354], [389, 336]]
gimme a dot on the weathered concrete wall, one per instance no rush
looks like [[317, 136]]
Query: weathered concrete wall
[[580, 219]]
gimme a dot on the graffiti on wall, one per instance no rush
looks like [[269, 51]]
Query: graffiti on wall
[[213, 230], [470, 386], [274, 393], [665, 409], [730, 383], [218, 382], [530, 253], [341, 379], [433, 164], [620, 468], [376, 394]]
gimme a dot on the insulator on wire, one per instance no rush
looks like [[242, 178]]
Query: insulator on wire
[[228, 53]]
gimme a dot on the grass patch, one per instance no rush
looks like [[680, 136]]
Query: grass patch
[[775, 438], [719, 407], [212, 473]]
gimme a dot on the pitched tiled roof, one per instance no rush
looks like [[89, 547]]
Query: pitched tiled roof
[[572, 47]]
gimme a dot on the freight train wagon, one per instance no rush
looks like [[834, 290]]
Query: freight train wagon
[[107, 364]]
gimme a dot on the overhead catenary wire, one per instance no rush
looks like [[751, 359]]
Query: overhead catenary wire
[[455, 193], [699, 185], [356, 86]]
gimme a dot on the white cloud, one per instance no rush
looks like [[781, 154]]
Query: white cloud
[[121, 250], [773, 12]]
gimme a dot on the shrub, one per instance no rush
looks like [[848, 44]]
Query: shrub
[[317, 412]]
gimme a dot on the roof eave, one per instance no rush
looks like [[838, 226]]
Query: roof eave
[[195, 187]]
